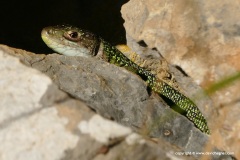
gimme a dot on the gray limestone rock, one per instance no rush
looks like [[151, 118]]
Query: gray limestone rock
[[38, 121], [117, 94]]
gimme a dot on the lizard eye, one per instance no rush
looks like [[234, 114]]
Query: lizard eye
[[72, 35]]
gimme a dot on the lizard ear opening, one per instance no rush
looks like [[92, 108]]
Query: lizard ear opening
[[72, 36]]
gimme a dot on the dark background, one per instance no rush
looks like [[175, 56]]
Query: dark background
[[22, 21]]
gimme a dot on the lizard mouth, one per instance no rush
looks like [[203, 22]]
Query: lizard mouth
[[46, 37]]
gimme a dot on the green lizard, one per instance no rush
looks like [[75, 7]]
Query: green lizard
[[72, 41]]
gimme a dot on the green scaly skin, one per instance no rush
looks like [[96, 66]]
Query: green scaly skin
[[72, 41]]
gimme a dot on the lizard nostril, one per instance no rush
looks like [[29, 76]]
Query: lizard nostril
[[49, 32]]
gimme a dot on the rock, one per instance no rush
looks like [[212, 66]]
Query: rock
[[30, 128], [202, 37], [193, 35], [38, 121], [117, 94]]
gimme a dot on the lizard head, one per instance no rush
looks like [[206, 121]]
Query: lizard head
[[71, 41]]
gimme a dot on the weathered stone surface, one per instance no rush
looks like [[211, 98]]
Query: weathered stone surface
[[29, 129], [114, 93], [196, 35], [38, 121], [202, 37]]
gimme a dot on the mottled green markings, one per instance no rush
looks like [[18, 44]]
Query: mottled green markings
[[72, 41], [191, 111], [114, 56]]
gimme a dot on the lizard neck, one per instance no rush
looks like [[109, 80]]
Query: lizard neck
[[112, 55]]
